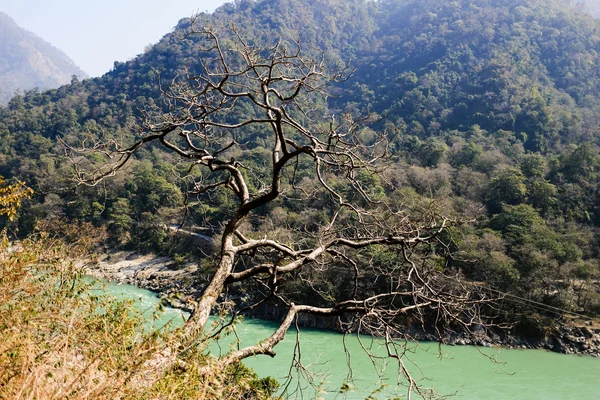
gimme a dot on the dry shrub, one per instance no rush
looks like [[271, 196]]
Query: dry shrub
[[59, 341]]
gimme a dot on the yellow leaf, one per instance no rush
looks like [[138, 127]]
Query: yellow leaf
[[11, 197]]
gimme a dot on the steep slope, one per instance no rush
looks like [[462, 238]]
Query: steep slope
[[28, 62], [496, 107]]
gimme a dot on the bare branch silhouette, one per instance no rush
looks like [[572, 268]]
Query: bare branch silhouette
[[275, 92]]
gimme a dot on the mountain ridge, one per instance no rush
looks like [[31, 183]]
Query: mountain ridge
[[28, 62]]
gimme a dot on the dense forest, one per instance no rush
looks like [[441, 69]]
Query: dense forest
[[494, 108]]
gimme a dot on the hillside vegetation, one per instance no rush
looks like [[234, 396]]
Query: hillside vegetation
[[495, 106]]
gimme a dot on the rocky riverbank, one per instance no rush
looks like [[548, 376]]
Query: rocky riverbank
[[174, 281], [163, 275], [560, 338]]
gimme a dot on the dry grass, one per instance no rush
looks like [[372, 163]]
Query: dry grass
[[59, 342]]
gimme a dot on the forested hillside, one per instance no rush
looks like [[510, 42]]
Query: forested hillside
[[495, 108], [28, 62]]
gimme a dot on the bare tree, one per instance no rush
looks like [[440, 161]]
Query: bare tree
[[275, 92]]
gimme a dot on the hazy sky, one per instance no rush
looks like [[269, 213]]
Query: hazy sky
[[95, 33]]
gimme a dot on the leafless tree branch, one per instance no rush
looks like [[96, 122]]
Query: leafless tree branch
[[274, 90]]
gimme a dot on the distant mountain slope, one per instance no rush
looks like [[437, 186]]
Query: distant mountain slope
[[27, 61], [590, 6]]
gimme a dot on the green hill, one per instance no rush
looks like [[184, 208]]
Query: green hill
[[496, 106]]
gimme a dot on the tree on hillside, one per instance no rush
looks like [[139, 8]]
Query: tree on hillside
[[348, 252]]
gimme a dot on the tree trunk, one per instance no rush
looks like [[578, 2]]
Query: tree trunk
[[213, 290]]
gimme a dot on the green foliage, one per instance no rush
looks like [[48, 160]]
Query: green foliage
[[484, 259], [432, 152], [534, 165], [507, 187], [149, 190], [516, 221], [495, 106], [150, 234], [542, 195], [119, 220]]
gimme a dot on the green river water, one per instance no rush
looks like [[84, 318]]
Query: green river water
[[524, 374]]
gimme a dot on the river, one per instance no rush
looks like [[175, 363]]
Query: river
[[523, 374]]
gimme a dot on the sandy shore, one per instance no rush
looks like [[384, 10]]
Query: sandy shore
[[149, 271]]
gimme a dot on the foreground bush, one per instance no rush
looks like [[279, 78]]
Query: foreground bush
[[58, 341]]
